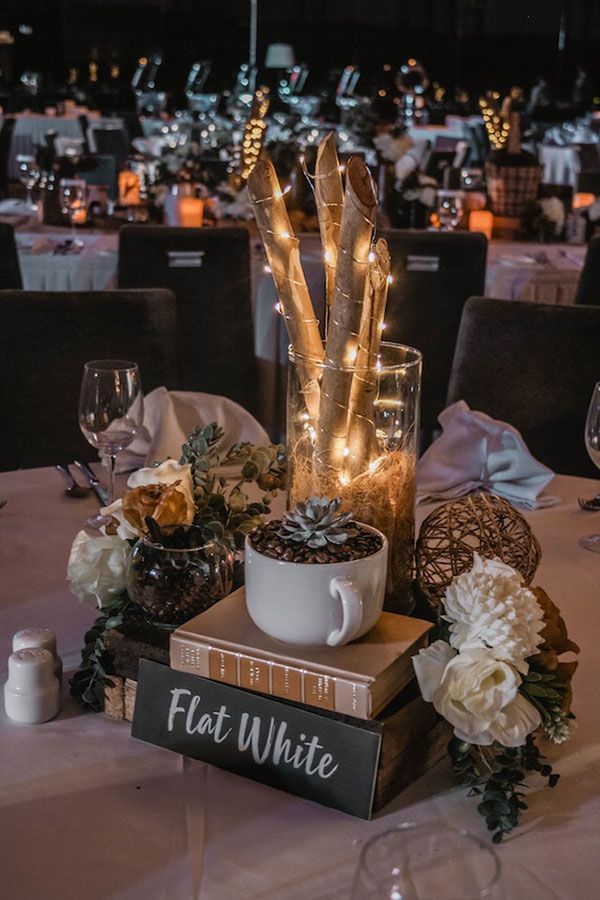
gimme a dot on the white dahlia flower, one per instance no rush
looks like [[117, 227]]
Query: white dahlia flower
[[490, 608]]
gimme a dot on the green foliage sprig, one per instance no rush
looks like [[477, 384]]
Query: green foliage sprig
[[88, 683], [496, 774], [223, 508]]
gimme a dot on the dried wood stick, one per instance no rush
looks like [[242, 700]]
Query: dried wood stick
[[329, 197], [358, 218], [361, 430], [282, 248]]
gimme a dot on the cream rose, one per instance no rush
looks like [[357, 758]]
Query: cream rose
[[97, 568], [168, 472], [476, 693]]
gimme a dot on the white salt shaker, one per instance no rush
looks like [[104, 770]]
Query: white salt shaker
[[29, 638], [32, 692]]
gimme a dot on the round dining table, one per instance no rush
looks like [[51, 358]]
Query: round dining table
[[88, 811]]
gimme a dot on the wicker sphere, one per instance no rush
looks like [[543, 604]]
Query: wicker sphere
[[480, 523]]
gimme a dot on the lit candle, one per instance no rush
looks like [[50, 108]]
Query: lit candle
[[78, 213], [482, 220], [129, 188], [581, 200], [191, 212]]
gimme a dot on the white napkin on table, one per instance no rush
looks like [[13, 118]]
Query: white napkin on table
[[171, 416], [476, 452]]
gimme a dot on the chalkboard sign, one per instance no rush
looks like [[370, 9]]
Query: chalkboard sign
[[289, 747]]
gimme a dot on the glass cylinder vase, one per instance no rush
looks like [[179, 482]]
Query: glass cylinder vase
[[366, 452]]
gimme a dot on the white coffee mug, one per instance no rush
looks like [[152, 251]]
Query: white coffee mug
[[315, 604]]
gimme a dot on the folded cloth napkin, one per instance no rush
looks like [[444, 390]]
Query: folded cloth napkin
[[476, 452], [171, 416]]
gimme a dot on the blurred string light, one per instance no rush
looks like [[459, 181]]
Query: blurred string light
[[497, 128], [254, 134]]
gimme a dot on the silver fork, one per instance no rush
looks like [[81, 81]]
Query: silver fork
[[591, 505]]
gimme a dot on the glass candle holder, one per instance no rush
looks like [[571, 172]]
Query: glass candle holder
[[371, 464], [170, 583]]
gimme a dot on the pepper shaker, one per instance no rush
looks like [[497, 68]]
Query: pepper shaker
[[30, 638], [32, 692]]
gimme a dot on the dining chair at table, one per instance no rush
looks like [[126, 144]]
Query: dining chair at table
[[588, 286], [6, 135], [208, 270], [534, 366], [434, 273], [45, 339], [10, 270], [109, 141]]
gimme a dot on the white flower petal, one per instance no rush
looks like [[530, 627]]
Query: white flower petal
[[515, 722], [429, 665], [98, 566]]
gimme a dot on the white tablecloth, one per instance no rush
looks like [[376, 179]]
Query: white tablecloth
[[87, 811], [30, 132], [93, 269], [542, 273]]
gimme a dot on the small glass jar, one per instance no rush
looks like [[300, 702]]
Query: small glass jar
[[171, 584], [373, 470]]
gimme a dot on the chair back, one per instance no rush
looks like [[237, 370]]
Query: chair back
[[535, 366], [588, 287], [434, 273], [208, 270], [110, 142], [7, 126], [47, 338], [10, 270]]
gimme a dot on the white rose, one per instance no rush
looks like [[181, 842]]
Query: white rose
[[476, 693], [97, 568], [490, 608], [167, 473]]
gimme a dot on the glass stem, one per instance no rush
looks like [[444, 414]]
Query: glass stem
[[112, 461]]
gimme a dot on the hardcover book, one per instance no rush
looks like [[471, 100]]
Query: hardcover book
[[358, 679]]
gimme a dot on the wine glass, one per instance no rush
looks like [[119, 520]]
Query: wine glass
[[592, 443], [449, 209], [29, 175], [72, 194], [111, 409], [427, 862]]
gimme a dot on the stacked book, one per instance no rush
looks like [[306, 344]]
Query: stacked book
[[358, 679], [344, 726]]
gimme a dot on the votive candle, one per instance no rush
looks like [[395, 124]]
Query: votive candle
[[191, 212], [482, 220]]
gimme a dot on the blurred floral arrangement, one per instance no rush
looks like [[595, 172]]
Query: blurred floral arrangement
[[207, 487], [545, 219], [495, 675]]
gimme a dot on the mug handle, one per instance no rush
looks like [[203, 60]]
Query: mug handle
[[345, 589]]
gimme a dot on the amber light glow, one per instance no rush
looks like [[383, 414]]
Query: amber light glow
[[482, 220], [580, 200], [191, 212]]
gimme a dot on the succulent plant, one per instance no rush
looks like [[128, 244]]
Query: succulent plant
[[316, 524]]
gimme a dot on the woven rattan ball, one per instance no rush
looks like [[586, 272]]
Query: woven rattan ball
[[480, 523]]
